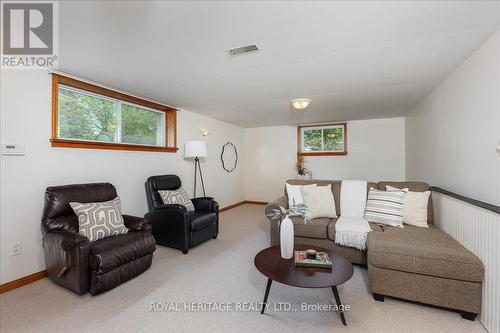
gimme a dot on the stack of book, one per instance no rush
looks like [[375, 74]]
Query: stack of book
[[322, 260]]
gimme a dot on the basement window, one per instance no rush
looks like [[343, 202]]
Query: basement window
[[321, 140], [89, 116]]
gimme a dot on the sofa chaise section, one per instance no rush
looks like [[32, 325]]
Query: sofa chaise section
[[418, 264], [424, 265]]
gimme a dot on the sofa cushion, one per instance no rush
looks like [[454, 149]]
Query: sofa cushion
[[202, 219], [112, 252], [314, 228], [428, 251], [331, 230], [414, 187]]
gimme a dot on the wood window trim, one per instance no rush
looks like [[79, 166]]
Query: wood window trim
[[170, 119], [320, 153]]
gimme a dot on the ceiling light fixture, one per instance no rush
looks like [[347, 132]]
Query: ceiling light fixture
[[301, 103]]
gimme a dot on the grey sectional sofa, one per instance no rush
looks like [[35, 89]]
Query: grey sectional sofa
[[418, 264]]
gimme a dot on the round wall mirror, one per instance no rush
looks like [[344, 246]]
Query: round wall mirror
[[229, 157]]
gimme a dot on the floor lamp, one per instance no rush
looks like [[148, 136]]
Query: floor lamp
[[196, 149]]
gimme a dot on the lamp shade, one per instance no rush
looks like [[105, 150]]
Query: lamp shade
[[194, 149]]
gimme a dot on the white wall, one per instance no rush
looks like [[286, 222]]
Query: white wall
[[376, 151], [452, 135], [26, 118], [270, 160]]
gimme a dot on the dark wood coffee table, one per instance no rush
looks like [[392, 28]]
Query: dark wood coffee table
[[270, 263]]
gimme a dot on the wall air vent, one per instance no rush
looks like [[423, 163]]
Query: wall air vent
[[243, 50]]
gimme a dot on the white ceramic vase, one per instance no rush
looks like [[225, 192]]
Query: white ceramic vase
[[286, 238]]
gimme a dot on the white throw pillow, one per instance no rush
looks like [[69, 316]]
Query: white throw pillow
[[319, 201], [294, 194], [415, 207]]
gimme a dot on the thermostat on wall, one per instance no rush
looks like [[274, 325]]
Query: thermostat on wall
[[13, 150]]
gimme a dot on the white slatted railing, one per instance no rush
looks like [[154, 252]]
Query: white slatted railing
[[478, 230]]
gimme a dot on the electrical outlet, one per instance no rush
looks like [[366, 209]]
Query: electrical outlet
[[15, 248]]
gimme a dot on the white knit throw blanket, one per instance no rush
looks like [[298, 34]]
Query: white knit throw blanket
[[352, 229]]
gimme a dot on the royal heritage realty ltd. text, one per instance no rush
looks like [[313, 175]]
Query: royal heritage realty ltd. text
[[244, 307]]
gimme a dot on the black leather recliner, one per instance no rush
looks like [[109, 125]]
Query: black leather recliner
[[77, 264], [172, 225]]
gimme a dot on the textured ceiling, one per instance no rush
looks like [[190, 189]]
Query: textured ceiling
[[356, 60]]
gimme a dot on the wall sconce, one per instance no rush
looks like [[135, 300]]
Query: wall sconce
[[204, 133]]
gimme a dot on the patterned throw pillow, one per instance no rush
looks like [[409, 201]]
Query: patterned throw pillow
[[385, 207], [178, 196], [99, 220]]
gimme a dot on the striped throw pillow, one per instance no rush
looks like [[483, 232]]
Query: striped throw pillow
[[385, 207]]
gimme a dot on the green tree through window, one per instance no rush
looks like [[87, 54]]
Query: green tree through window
[[323, 139], [333, 139], [139, 126], [86, 117], [312, 140], [90, 117]]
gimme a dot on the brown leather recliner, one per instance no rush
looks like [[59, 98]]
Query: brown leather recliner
[[80, 265]]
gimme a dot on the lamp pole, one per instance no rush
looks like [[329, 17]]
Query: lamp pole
[[196, 149], [197, 166]]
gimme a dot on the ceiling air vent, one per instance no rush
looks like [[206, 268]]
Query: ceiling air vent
[[243, 50]]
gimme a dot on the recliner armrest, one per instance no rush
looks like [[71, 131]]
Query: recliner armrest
[[205, 203], [171, 207], [66, 240], [166, 212], [134, 222], [64, 222]]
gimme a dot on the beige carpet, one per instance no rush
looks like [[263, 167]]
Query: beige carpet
[[220, 270]]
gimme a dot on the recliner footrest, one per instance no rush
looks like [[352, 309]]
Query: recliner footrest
[[100, 283], [115, 251]]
